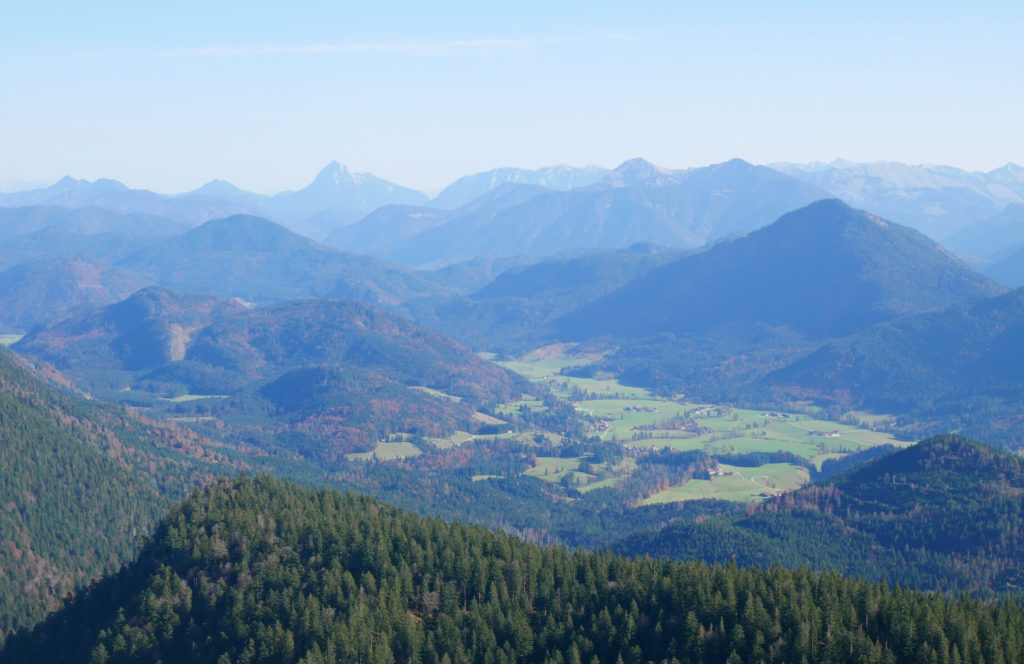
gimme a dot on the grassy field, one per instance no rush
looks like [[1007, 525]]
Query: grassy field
[[513, 407], [553, 469], [633, 416], [436, 393], [10, 339], [595, 388], [194, 397], [740, 484], [548, 361], [388, 452], [454, 440], [484, 418]]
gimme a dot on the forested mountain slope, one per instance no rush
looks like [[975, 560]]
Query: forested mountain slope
[[150, 328], [945, 514], [260, 261], [338, 371], [47, 288], [16, 221], [256, 570], [54, 243], [961, 368], [81, 484]]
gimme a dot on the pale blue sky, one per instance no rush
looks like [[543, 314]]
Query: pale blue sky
[[169, 95]]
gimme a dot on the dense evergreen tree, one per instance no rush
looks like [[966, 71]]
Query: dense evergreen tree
[[254, 570], [81, 483]]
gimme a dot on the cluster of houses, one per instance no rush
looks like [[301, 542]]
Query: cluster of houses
[[688, 426], [823, 434], [777, 416], [716, 470]]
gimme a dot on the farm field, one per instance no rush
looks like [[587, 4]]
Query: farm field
[[741, 483], [554, 469], [634, 417]]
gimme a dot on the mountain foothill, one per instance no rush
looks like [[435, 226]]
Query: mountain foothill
[[342, 372], [193, 377]]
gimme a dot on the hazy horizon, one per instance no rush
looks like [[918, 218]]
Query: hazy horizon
[[264, 95], [12, 185]]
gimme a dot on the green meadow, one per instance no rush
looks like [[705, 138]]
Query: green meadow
[[740, 484], [388, 452], [10, 339], [634, 417]]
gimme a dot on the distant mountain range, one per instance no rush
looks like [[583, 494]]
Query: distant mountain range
[[390, 231], [637, 202], [993, 237], [259, 261], [995, 245], [336, 197], [114, 196], [936, 200], [238, 257], [514, 310], [471, 187], [336, 194], [1008, 267]]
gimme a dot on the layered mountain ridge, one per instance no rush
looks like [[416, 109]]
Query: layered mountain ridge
[[822, 271]]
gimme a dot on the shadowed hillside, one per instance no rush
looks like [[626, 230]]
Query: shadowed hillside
[[340, 373], [822, 271]]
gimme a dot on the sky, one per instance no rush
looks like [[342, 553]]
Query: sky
[[167, 96]]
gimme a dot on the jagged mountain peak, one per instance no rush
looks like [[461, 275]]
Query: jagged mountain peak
[[337, 174]]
